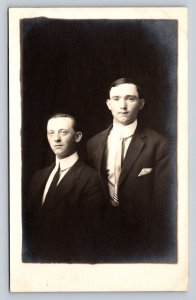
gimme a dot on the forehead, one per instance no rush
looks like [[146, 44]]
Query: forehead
[[60, 123], [124, 89]]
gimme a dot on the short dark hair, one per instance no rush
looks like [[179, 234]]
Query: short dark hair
[[64, 115], [127, 80]]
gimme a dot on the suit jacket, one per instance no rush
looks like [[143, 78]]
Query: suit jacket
[[67, 228], [140, 226]]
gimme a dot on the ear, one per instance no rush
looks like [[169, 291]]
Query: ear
[[78, 136], [142, 103], [108, 103]]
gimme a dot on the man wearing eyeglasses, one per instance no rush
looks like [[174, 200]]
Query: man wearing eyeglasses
[[133, 165], [64, 211]]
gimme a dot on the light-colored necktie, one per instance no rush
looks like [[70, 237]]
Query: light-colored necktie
[[117, 169]]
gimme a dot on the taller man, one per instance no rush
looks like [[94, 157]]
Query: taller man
[[133, 164]]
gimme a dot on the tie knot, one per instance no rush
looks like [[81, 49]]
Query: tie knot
[[120, 136]]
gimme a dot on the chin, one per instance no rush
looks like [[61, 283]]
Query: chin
[[125, 122], [59, 154]]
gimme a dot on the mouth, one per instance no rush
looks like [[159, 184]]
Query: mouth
[[57, 146], [123, 113]]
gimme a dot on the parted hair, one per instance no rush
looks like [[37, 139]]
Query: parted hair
[[64, 115], [127, 80]]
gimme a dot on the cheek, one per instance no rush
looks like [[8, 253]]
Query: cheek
[[49, 141], [68, 141], [133, 108], [114, 110]]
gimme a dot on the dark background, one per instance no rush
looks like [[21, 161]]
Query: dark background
[[68, 66]]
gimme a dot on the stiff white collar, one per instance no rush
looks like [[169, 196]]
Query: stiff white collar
[[67, 162], [124, 131]]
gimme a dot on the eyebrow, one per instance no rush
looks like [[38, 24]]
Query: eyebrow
[[134, 96], [58, 129]]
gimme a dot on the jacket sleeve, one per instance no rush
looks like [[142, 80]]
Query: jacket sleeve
[[164, 200], [93, 214], [90, 153]]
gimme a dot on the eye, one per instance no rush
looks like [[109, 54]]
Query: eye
[[115, 98], [63, 132], [131, 98], [50, 133]]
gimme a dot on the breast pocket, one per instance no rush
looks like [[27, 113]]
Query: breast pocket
[[143, 184], [145, 171]]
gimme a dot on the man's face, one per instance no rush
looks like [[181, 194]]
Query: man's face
[[124, 103], [62, 137]]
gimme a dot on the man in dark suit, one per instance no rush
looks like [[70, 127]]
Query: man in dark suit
[[63, 213], [133, 165]]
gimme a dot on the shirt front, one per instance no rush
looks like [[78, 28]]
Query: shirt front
[[117, 132], [65, 164]]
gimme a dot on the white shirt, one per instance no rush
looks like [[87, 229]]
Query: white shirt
[[65, 164], [126, 132]]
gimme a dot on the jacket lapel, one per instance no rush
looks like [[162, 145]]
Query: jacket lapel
[[67, 183], [38, 188], [101, 147], [133, 152]]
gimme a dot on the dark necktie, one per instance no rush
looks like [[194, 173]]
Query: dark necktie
[[53, 185]]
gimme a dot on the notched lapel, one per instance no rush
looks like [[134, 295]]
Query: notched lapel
[[38, 187], [101, 147], [132, 154], [66, 185]]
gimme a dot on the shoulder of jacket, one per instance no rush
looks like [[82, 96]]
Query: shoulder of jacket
[[157, 139], [87, 170], [99, 135], [43, 170], [154, 134]]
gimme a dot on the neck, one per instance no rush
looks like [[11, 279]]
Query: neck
[[122, 124], [67, 155]]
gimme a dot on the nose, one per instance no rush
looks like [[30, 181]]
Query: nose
[[123, 103], [57, 137]]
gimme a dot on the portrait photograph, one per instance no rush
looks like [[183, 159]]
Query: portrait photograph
[[98, 101]]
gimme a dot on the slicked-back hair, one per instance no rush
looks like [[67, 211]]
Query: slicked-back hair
[[63, 115], [127, 80]]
